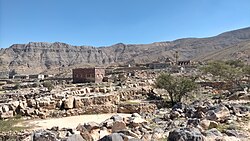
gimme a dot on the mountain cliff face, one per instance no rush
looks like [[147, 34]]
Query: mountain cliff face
[[36, 57]]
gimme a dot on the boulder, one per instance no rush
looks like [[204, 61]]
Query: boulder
[[84, 132], [213, 124], [107, 123], [185, 134], [78, 103], [91, 125], [69, 103], [5, 115], [117, 118], [219, 113], [75, 137], [205, 124], [103, 132], [5, 108], [157, 134], [135, 122], [118, 125], [193, 122], [136, 115], [213, 133], [44, 135], [31, 103], [112, 137]]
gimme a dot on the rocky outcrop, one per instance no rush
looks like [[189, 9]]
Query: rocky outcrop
[[185, 134]]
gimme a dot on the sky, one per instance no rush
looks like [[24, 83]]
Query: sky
[[107, 22]]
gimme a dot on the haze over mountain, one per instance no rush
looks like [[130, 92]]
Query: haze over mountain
[[37, 57]]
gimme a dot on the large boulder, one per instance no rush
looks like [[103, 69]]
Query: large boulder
[[91, 125], [118, 125], [44, 135], [112, 137], [84, 132], [219, 113], [75, 137], [185, 134], [69, 102], [78, 102]]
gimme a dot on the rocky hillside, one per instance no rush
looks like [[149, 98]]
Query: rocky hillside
[[36, 57]]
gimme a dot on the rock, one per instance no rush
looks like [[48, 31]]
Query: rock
[[136, 115], [236, 133], [213, 133], [118, 125], [103, 132], [193, 122], [185, 134], [128, 133], [91, 125], [146, 137], [117, 118], [44, 135], [69, 103], [112, 137], [107, 123], [84, 132], [5, 108], [54, 128], [205, 123], [75, 137], [213, 124], [78, 103], [95, 134], [174, 115], [134, 122], [31, 103], [5, 115], [157, 134], [134, 139], [29, 111], [220, 113], [22, 104]]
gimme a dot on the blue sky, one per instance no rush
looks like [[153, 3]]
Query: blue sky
[[107, 22]]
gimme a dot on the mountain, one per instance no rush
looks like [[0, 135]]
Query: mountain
[[37, 57]]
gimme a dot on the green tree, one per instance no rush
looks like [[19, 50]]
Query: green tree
[[246, 70], [17, 86], [229, 71], [177, 87], [235, 63], [48, 85]]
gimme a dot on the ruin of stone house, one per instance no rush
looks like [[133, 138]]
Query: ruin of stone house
[[184, 63], [36, 76], [87, 75], [21, 77], [160, 65]]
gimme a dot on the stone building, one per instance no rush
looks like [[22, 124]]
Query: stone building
[[184, 63], [87, 75], [36, 76]]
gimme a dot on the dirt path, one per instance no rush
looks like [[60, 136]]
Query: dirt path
[[67, 122]]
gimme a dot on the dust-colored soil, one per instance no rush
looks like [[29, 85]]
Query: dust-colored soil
[[67, 122]]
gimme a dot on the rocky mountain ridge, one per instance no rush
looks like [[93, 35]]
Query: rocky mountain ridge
[[36, 57]]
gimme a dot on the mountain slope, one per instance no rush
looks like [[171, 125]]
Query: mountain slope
[[36, 57], [240, 51]]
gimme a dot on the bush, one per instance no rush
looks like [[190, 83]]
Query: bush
[[17, 86], [177, 87], [48, 85]]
